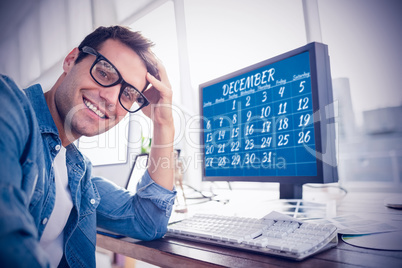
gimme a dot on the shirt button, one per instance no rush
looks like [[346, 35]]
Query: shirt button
[[92, 201], [44, 221], [57, 147]]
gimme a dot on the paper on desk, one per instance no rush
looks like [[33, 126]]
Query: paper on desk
[[274, 215], [356, 225]]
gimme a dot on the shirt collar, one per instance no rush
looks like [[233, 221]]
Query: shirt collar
[[47, 125], [39, 104]]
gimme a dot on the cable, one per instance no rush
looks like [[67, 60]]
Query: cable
[[328, 186]]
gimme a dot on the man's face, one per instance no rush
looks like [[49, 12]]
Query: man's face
[[85, 107]]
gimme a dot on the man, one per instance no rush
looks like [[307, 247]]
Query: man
[[50, 204]]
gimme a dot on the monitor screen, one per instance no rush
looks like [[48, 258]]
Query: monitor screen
[[271, 122], [138, 169]]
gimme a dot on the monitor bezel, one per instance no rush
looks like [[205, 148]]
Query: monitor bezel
[[320, 78]]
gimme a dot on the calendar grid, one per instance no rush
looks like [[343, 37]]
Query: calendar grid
[[264, 130]]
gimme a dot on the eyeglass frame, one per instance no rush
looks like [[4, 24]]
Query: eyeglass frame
[[120, 80]]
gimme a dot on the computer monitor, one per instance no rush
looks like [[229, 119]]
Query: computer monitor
[[272, 122]]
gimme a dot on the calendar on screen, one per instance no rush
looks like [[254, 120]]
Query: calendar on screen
[[260, 123]]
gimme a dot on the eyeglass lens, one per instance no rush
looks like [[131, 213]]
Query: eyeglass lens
[[105, 73]]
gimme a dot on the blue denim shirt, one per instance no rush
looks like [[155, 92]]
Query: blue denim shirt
[[29, 142]]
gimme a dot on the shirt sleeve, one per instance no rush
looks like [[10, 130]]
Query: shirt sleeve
[[19, 246], [160, 196], [142, 215]]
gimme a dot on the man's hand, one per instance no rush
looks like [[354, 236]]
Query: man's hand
[[161, 164], [160, 97]]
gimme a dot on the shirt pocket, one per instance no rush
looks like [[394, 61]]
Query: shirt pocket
[[87, 220], [90, 200], [30, 176]]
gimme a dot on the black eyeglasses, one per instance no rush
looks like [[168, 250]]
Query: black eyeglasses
[[105, 74]]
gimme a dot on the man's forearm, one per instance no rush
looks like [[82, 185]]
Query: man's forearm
[[161, 159]]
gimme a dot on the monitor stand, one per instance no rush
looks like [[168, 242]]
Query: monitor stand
[[290, 191]]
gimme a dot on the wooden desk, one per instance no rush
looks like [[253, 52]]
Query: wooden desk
[[170, 252]]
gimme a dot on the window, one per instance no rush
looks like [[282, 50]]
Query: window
[[160, 27], [227, 35]]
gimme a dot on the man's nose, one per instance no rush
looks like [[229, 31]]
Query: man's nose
[[110, 95]]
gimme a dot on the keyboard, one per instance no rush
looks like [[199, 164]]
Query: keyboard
[[275, 234]]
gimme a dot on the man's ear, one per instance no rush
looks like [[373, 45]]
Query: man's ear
[[70, 59]]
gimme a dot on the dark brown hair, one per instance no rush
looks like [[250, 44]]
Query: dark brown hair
[[134, 40]]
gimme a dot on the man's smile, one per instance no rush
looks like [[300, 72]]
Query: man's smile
[[94, 109]]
